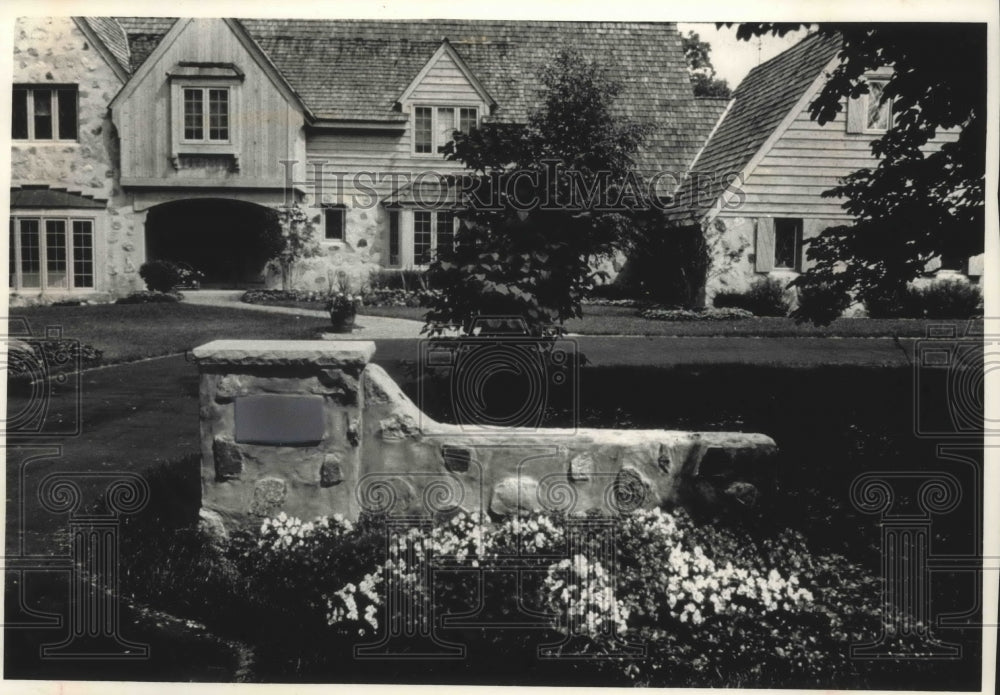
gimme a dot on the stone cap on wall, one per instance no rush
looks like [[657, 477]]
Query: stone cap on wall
[[285, 353]]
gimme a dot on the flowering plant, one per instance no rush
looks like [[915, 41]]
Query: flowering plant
[[343, 303], [698, 595]]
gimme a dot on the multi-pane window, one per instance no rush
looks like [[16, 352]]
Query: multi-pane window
[[787, 243], [878, 114], [51, 253], [333, 223], [206, 124], [422, 227], [445, 231], [423, 131], [44, 112], [434, 127], [83, 253], [394, 245], [432, 232]]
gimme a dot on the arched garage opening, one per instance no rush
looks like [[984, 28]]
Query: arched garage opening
[[229, 241]]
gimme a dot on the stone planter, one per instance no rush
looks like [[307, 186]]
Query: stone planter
[[342, 321]]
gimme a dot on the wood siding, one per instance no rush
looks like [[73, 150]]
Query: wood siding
[[383, 160], [266, 128], [805, 161], [444, 83]]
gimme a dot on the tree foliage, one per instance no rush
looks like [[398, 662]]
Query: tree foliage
[[540, 201], [698, 55], [915, 205]]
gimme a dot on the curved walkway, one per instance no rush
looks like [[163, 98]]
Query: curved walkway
[[366, 327]]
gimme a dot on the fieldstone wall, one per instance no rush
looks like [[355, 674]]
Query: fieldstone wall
[[53, 50], [359, 254], [380, 453]]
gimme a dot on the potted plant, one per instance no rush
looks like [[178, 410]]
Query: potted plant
[[343, 307]]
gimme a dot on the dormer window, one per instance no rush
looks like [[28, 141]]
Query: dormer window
[[206, 114], [205, 110], [434, 126]]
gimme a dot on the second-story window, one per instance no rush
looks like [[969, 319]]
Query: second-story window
[[878, 116], [206, 114], [433, 127], [44, 112]]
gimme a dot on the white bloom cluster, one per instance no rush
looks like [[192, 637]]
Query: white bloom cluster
[[694, 586], [343, 605], [585, 592], [530, 535], [663, 574], [284, 532]]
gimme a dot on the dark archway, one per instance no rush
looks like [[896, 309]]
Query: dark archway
[[229, 241]]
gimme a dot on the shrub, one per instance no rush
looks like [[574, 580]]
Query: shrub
[[766, 297], [153, 297], [727, 314], [161, 276], [816, 297], [945, 299], [668, 265], [948, 299]]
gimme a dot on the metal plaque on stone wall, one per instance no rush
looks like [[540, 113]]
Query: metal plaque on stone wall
[[279, 419]]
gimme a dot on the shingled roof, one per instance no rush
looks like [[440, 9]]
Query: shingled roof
[[356, 69], [113, 36], [759, 104]]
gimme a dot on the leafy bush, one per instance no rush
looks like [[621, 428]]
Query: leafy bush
[[688, 315], [152, 297], [162, 276], [766, 297], [668, 264], [714, 607], [32, 357], [948, 299], [820, 296], [945, 299]]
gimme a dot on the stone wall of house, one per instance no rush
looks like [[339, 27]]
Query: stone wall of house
[[380, 453], [731, 241], [358, 255], [53, 50]]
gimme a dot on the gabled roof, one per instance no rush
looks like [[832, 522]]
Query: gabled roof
[[177, 28], [762, 102], [446, 49], [356, 70]]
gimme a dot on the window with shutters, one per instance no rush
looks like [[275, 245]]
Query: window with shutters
[[45, 112], [787, 244], [51, 252], [434, 126], [869, 113]]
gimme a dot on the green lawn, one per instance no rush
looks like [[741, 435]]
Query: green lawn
[[127, 332], [599, 319]]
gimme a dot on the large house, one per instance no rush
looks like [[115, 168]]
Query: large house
[[152, 138], [755, 187]]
